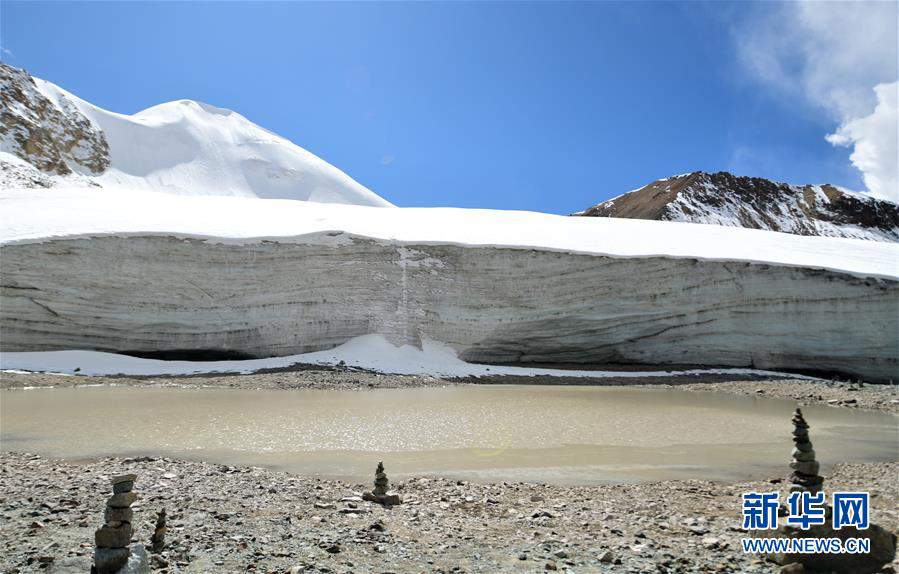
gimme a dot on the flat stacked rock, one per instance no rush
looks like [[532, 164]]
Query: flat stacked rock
[[805, 468], [113, 538], [380, 493]]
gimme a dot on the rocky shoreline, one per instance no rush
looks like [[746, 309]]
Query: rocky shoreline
[[883, 398], [249, 519]]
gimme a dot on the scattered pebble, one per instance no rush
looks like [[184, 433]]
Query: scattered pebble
[[226, 519]]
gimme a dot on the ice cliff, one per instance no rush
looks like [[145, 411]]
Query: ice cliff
[[260, 278]]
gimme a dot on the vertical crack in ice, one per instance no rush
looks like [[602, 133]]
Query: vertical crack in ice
[[404, 300]]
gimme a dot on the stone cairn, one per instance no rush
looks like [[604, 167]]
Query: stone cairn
[[805, 478], [380, 493], [157, 541], [805, 468], [113, 538]]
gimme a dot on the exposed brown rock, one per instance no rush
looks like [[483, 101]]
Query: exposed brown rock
[[113, 535], [54, 137], [122, 500], [753, 202]]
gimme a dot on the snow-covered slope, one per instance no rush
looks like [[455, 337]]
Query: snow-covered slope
[[18, 173], [29, 216], [182, 147], [725, 199]]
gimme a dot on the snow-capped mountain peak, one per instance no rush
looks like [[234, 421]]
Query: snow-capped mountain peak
[[183, 147], [736, 201]]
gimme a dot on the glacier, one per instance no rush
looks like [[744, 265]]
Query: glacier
[[149, 273]]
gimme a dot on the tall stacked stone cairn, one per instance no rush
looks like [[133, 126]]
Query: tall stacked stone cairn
[[805, 468], [380, 493], [112, 540], [805, 478]]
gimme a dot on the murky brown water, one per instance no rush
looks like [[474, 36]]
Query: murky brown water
[[536, 433]]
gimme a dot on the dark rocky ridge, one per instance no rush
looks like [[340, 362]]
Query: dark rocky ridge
[[726, 199]]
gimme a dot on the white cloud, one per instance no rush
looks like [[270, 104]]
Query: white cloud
[[873, 138], [387, 159], [832, 55]]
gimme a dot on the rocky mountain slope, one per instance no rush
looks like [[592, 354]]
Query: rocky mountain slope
[[53, 136], [183, 147], [725, 199]]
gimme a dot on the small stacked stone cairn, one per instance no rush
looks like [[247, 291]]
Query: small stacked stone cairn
[[380, 493], [805, 468], [157, 541], [113, 538]]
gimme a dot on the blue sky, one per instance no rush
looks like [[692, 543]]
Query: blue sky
[[540, 106]]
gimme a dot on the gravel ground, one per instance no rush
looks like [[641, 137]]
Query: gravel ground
[[865, 396], [248, 519], [297, 378], [236, 519]]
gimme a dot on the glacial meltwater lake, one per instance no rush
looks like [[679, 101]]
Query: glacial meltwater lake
[[559, 434]]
